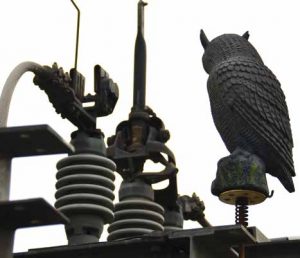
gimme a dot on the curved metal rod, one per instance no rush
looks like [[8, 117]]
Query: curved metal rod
[[77, 33]]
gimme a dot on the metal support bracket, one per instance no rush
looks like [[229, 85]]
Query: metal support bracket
[[22, 141], [22, 214]]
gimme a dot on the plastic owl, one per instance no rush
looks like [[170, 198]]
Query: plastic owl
[[248, 105]]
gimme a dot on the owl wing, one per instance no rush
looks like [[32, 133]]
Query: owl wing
[[254, 94]]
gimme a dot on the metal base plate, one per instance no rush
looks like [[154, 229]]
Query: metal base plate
[[253, 197], [213, 242]]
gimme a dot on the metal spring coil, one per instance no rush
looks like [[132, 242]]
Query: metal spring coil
[[85, 185], [135, 217], [241, 213]]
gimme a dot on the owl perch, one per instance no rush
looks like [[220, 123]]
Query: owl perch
[[250, 113]]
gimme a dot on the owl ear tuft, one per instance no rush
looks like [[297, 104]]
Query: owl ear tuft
[[246, 35], [204, 40]]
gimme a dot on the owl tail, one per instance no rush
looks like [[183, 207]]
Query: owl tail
[[285, 178]]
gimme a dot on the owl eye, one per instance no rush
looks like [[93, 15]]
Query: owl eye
[[246, 35], [204, 40]]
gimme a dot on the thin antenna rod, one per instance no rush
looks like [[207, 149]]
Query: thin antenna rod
[[77, 34]]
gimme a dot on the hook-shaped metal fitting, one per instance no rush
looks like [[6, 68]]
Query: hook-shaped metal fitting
[[77, 33]]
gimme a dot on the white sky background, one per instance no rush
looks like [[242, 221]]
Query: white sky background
[[44, 32]]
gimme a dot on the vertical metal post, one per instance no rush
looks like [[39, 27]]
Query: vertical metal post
[[139, 94], [241, 251], [6, 243], [5, 171], [6, 235]]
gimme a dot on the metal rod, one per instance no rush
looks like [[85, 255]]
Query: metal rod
[[242, 251], [141, 6], [139, 94], [203, 222], [77, 34], [6, 242], [5, 171]]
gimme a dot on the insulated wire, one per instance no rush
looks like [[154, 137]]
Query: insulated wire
[[5, 99], [10, 86]]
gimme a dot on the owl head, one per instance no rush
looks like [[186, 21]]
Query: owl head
[[225, 47]]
